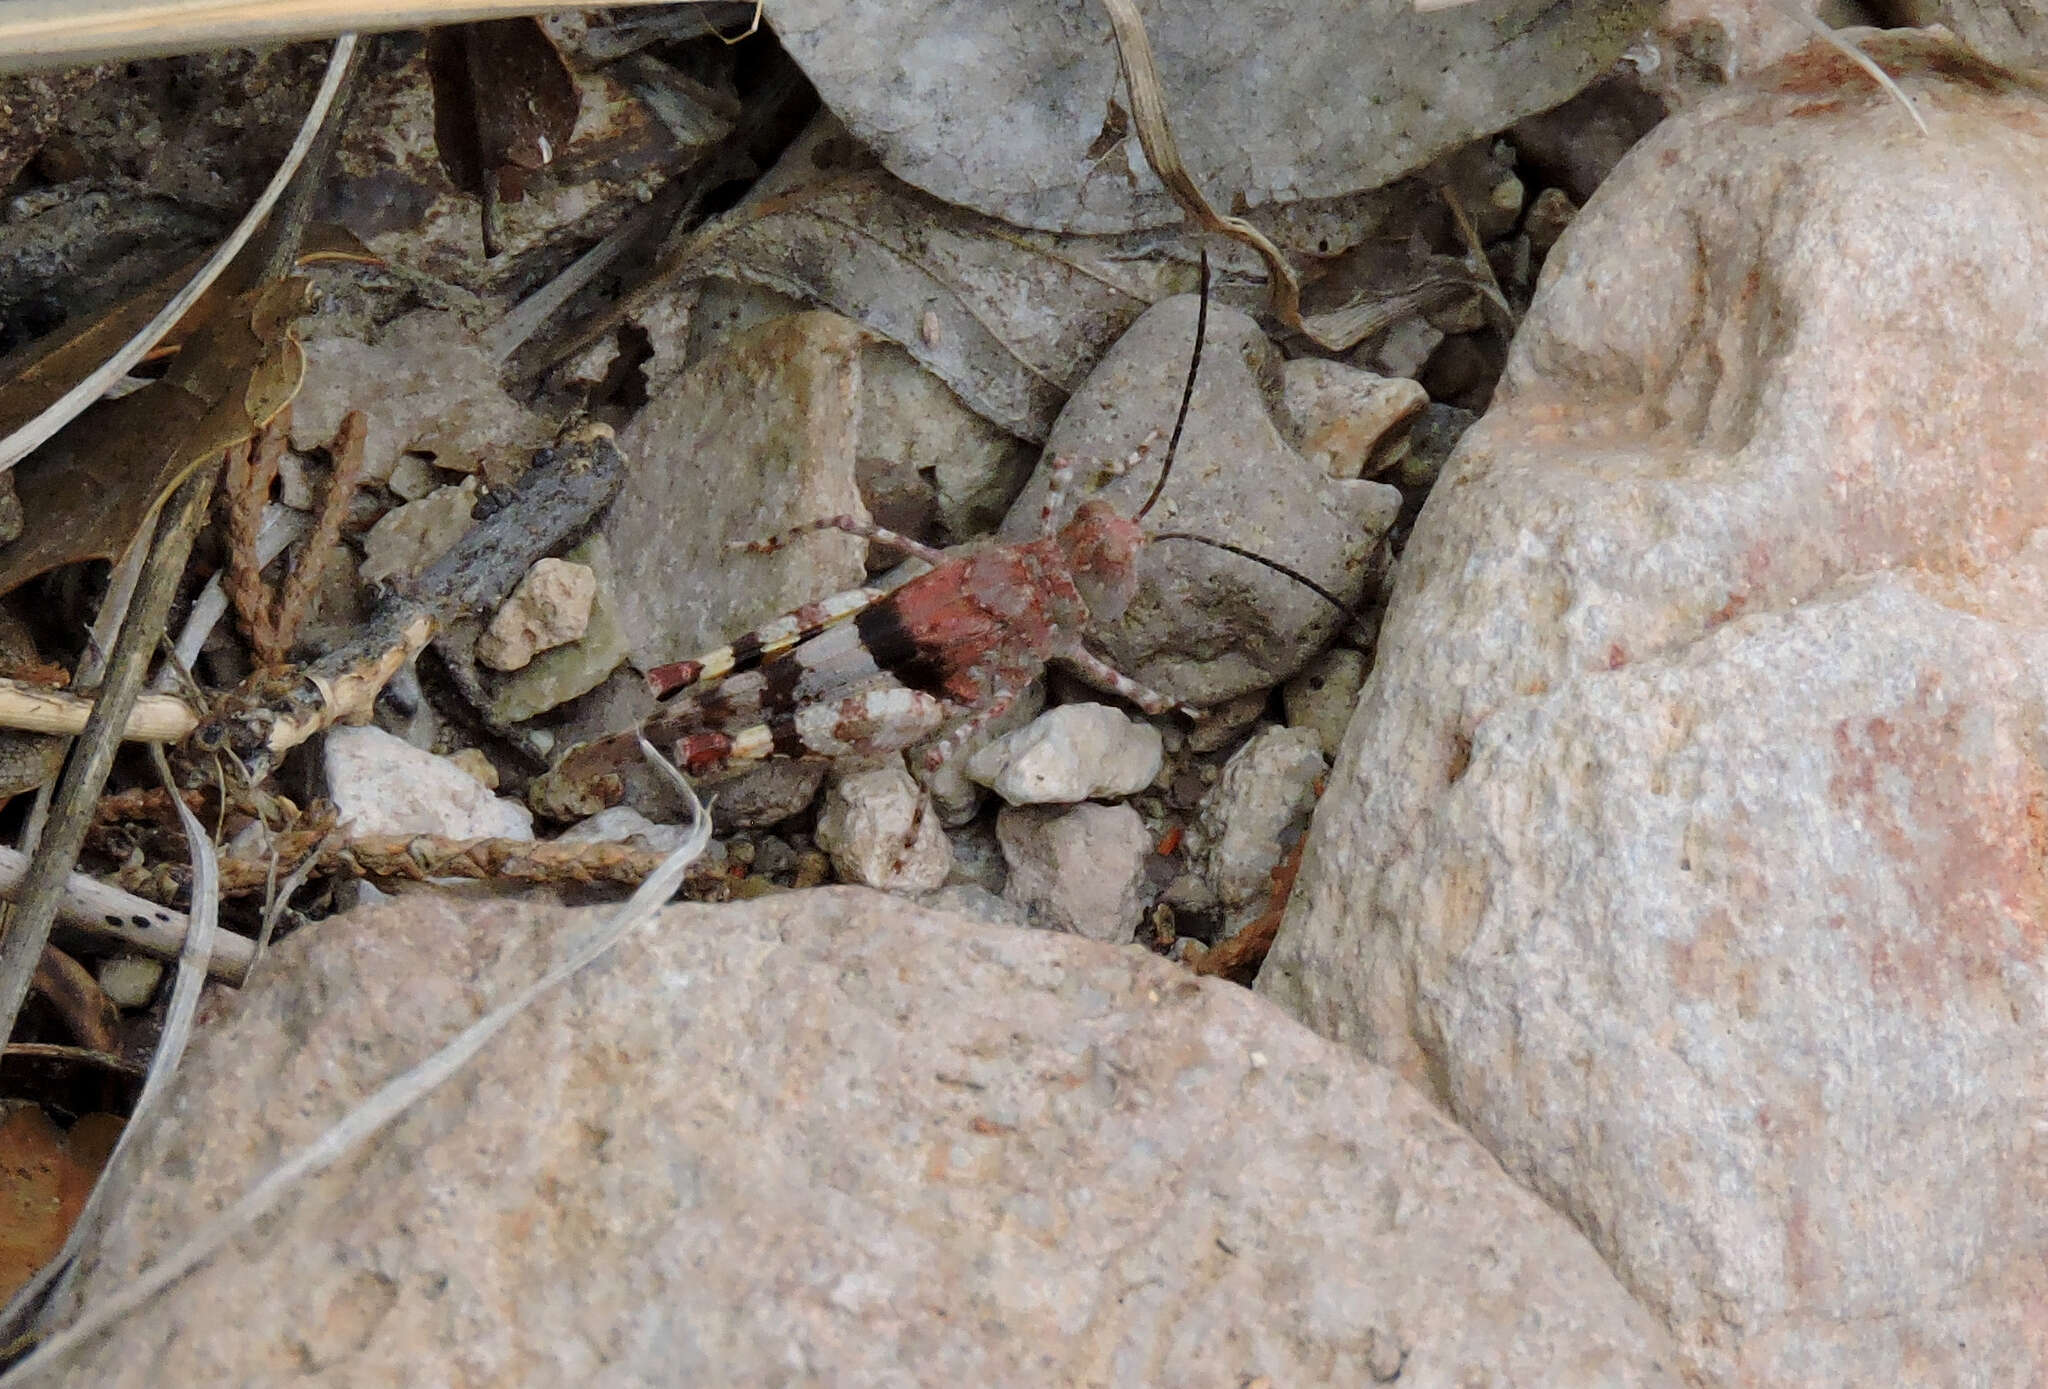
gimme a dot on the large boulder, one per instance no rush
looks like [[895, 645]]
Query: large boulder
[[1688, 842], [829, 1138]]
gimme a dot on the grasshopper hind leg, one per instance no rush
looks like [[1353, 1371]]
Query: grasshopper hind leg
[[763, 643]]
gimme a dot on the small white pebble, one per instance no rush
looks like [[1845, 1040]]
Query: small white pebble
[[129, 981]]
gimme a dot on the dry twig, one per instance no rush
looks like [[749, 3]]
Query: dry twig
[[420, 858], [108, 914], [309, 561], [424, 857], [250, 473], [39, 709]]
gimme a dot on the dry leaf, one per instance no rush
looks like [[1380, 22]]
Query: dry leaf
[[88, 493], [45, 1176], [69, 987], [1011, 320], [37, 375]]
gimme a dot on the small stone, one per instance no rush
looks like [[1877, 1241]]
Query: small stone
[[621, 823], [767, 794], [1405, 349], [549, 608], [772, 419], [1462, 315], [772, 856], [1321, 698], [473, 761], [812, 869], [915, 429], [1267, 788], [1430, 443], [1190, 892], [1548, 216], [1337, 415], [1077, 868], [413, 536], [129, 981], [301, 482], [1220, 726], [425, 387], [1505, 198], [867, 823], [977, 856], [575, 668], [413, 477], [381, 784], [1076, 752], [1205, 625]]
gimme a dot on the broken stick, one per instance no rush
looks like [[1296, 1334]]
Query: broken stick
[[104, 912]]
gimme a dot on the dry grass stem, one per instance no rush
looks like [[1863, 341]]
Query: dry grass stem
[[38, 709], [1155, 135]]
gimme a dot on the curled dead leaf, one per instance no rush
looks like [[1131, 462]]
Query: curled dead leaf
[[91, 490]]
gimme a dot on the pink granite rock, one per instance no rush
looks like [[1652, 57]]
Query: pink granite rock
[[830, 1138], [1688, 842]]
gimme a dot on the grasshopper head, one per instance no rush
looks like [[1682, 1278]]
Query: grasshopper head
[[1101, 550]]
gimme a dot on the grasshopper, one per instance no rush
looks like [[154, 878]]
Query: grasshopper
[[873, 671]]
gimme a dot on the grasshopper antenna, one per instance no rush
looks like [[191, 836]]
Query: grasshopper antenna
[[1187, 394], [1351, 618]]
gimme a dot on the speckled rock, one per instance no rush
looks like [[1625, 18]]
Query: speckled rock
[[1076, 752], [1206, 626], [1321, 698], [836, 1131], [381, 784], [1076, 868], [756, 438], [879, 836], [1337, 416], [1688, 838], [556, 676], [423, 385], [409, 538], [955, 794], [1258, 807], [549, 607], [1017, 110]]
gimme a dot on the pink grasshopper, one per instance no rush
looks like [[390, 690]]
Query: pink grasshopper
[[874, 671]]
